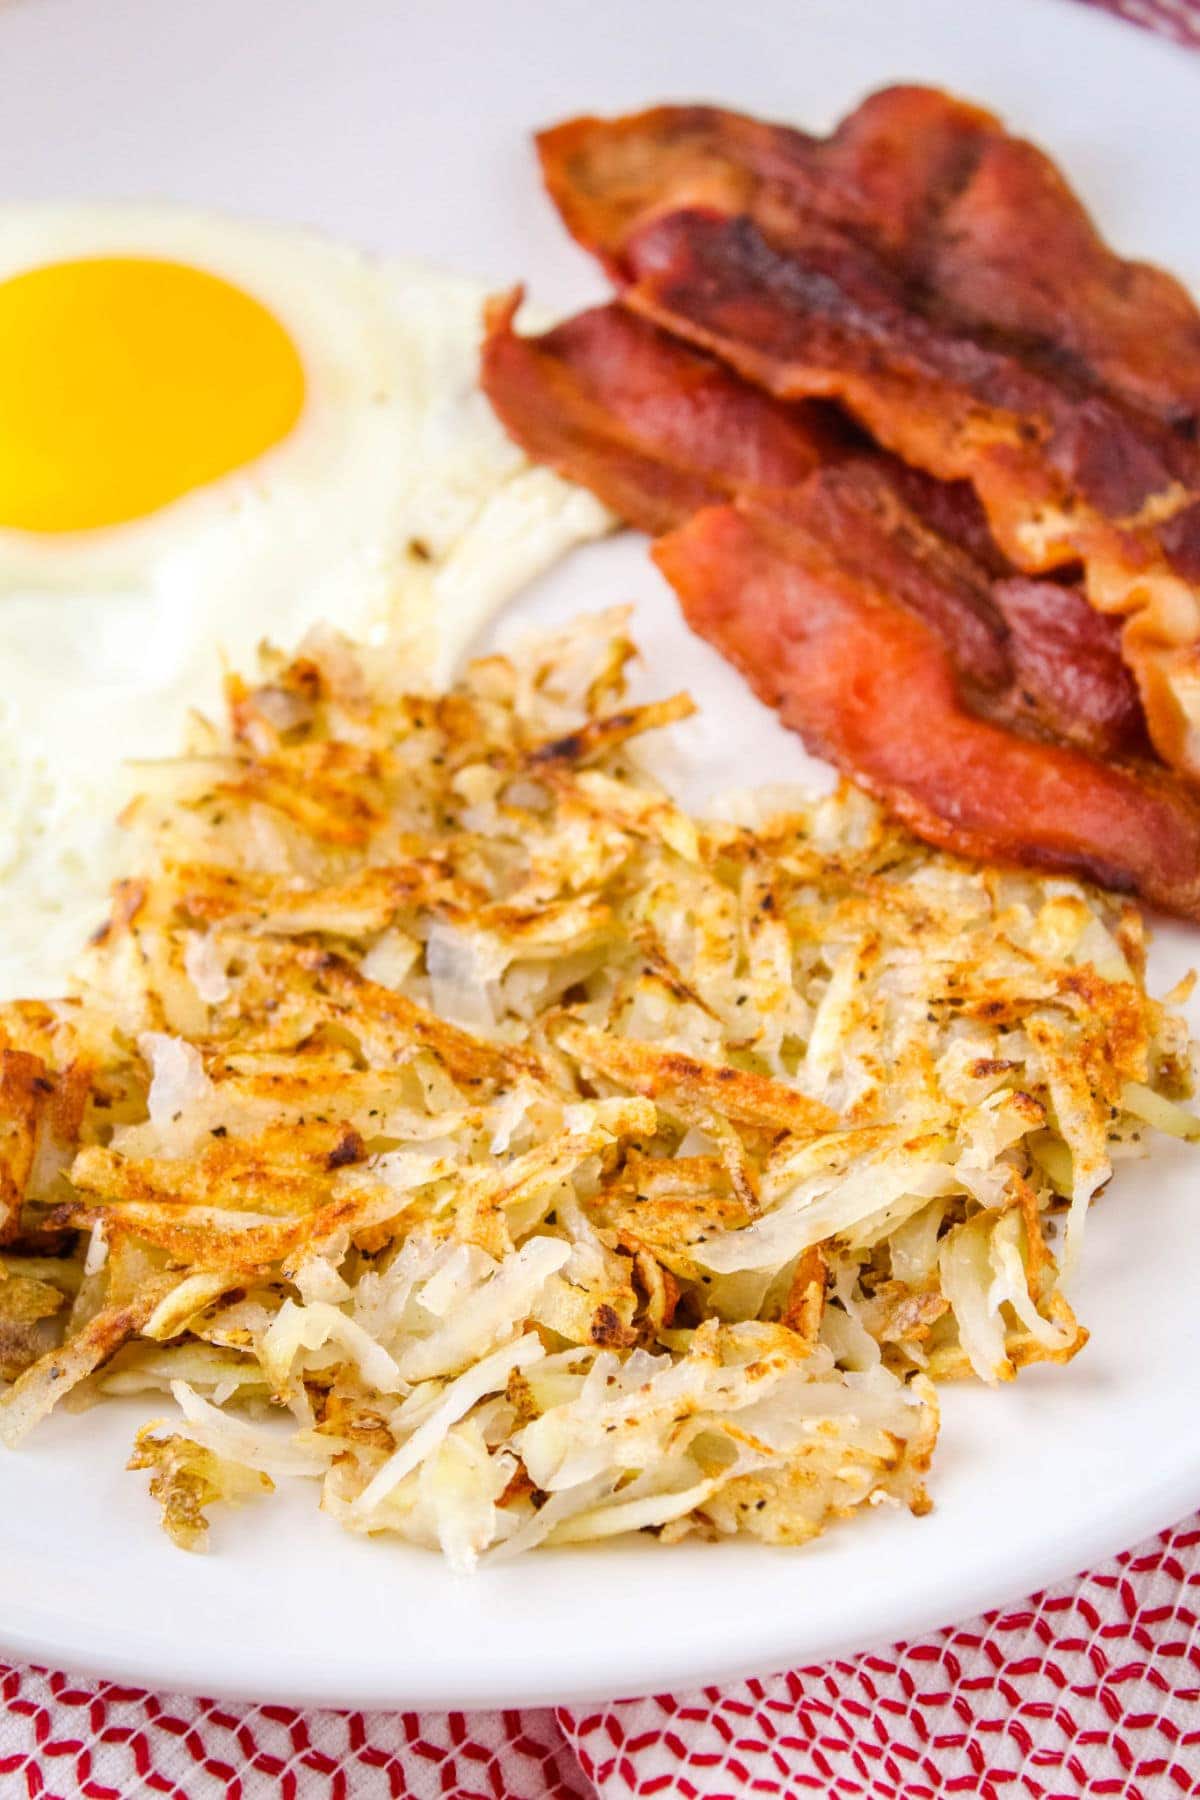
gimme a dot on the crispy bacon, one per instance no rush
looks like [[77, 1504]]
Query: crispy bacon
[[983, 221], [658, 431], [1029, 654], [868, 685], [939, 279], [1066, 656]]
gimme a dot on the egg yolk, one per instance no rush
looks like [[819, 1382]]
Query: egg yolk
[[125, 382]]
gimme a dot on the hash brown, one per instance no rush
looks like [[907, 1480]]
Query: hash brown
[[448, 1118]]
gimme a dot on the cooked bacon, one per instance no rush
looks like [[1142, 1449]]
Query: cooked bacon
[[940, 280], [952, 509], [983, 221], [1029, 654], [869, 686], [1067, 658], [658, 431], [1057, 469]]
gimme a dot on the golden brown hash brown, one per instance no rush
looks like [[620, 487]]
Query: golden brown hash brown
[[447, 1117]]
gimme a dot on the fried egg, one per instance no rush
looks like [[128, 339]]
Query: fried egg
[[214, 433]]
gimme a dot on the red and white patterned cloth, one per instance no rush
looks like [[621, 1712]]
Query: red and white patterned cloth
[[1092, 1688], [1178, 19]]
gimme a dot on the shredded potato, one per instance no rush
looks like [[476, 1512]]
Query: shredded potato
[[446, 1118]]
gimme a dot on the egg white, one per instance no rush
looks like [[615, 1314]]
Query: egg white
[[397, 510]]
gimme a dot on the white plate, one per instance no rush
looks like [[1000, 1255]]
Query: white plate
[[405, 127]]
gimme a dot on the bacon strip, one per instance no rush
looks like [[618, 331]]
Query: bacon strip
[[868, 685], [651, 427], [658, 431], [1029, 654], [938, 188], [939, 279], [1067, 669]]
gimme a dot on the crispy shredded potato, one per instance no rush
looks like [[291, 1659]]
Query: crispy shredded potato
[[445, 1117]]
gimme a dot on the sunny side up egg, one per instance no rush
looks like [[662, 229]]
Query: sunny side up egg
[[213, 433]]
